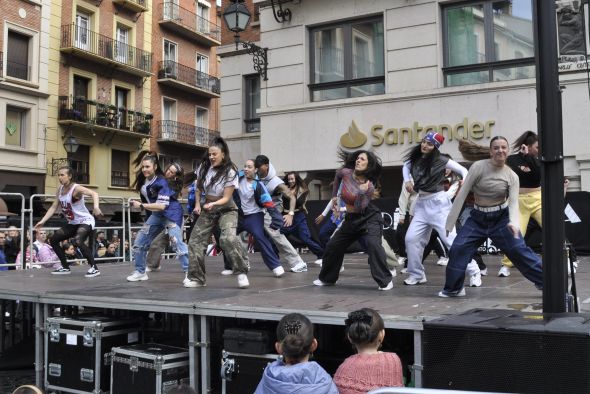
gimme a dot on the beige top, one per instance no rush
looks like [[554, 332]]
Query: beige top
[[488, 182]]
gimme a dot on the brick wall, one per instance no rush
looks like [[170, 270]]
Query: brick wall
[[9, 9], [252, 32]]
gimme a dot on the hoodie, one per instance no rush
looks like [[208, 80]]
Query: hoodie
[[271, 180], [303, 378]]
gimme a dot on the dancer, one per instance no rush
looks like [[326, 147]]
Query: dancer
[[299, 228], [70, 199], [526, 165], [495, 215], [358, 175], [370, 368], [278, 191], [217, 178], [159, 196], [424, 173], [294, 373], [253, 201]]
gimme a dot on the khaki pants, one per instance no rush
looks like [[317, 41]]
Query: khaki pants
[[226, 218], [529, 205], [286, 251]]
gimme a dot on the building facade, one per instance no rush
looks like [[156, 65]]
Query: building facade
[[100, 64], [379, 74], [186, 86], [24, 91]]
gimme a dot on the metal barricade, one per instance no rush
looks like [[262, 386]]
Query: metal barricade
[[20, 229], [102, 199]]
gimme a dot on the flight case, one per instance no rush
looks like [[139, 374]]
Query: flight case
[[77, 351]]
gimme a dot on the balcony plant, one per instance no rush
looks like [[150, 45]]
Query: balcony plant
[[143, 123]]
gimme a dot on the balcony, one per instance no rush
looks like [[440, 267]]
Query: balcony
[[188, 79], [133, 5], [90, 115], [189, 24], [18, 70], [101, 49], [177, 133]]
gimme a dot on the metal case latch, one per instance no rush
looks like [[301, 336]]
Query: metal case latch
[[133, 364], [88, 337], [54, 370], [228, 367], [54, 332], [87, 375]]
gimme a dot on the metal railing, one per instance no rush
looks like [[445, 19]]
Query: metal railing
[[74, 36], [171, 11], [1, 64], [171, 69], [20, 229], [136, 4], [184, 133], [18, 70], [120, 178], [87, 111]]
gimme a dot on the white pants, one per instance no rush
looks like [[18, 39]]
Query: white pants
[[430, 212]]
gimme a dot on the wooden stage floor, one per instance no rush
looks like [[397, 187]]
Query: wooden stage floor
[[404, 307]]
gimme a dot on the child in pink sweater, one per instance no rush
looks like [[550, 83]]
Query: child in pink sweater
[[370, 368]]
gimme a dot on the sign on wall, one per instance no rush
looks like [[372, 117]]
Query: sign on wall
[[572, 34]]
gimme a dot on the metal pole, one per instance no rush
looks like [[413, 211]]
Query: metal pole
[[418, 359], [551, 151], [205, 355], [193, 355], [39, 345]]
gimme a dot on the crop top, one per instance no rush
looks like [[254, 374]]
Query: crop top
[[527, 168], [491, 182], [351, 192], [216, 190], [433, 181]]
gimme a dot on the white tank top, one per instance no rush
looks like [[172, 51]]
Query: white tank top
[[75, 212]]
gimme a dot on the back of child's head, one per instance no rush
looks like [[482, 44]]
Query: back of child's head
[[295, 334], [363, 326], [28, 389]]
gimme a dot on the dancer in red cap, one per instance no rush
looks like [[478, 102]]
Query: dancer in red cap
[[424, 173]]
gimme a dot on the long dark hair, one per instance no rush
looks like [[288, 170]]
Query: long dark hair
[[527, 138], [299, 182], [141, 157], [295, 333], [413, 155], [177, 183], [363, 326], [374, 166], [223, 171]]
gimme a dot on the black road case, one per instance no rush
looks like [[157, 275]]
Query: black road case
[[247, 341], [77, 351], [241, 373], [149, 368]]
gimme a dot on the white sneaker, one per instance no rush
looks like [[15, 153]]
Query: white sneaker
[[411, 281], [388, 287], [342, 268], [401, 261], [299, 267], [136, 277], [504, 272], [150, 269], [318, 282], [484, 272], [318, 262], [393, 272], [227, 272], [243, 282], [475, 280], [279, 271], [192, 283], [61, 271], [92, 272], [461, 293], [404, 270], [443, 261]]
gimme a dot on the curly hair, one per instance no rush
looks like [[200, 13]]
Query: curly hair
[[374, 166], [223, 169]]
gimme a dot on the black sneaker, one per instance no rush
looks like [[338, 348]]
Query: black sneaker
[[92, 272], [61, 271]]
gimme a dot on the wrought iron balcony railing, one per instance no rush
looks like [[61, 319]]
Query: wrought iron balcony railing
[[196, 80], [189, 24], [186, 134], [18, 70], [86, 43], [92, 114]]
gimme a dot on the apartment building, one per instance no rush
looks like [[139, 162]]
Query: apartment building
[[100, 65], [24, 38], [185, 88]]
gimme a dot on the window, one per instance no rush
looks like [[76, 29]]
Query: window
[[79, 163], [166, 160], [169, 119], [202, 126], [347, 60], [203, 71], [252, 103], [202, 18], [18, 56], [122, 49], [16, 126], [488, 41], [82, 32], [170, 59], [119, 168], [122, 104]]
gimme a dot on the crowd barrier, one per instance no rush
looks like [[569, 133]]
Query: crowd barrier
[[21, 227]]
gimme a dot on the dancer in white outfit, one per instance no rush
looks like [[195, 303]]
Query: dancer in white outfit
[[424, 172]]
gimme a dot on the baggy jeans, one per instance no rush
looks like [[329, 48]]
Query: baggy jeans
[[479, 227], [156, 224]]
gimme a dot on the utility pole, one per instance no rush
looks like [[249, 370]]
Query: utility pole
[[550, 128]]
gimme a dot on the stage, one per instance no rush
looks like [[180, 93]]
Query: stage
[[269, 298]]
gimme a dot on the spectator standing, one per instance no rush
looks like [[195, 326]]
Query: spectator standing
[[46, 256]]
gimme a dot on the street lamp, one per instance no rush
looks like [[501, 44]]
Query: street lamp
[[71, 144], [237, 17]]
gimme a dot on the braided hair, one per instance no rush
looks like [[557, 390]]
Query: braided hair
[[295, 333], [363, 326]]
